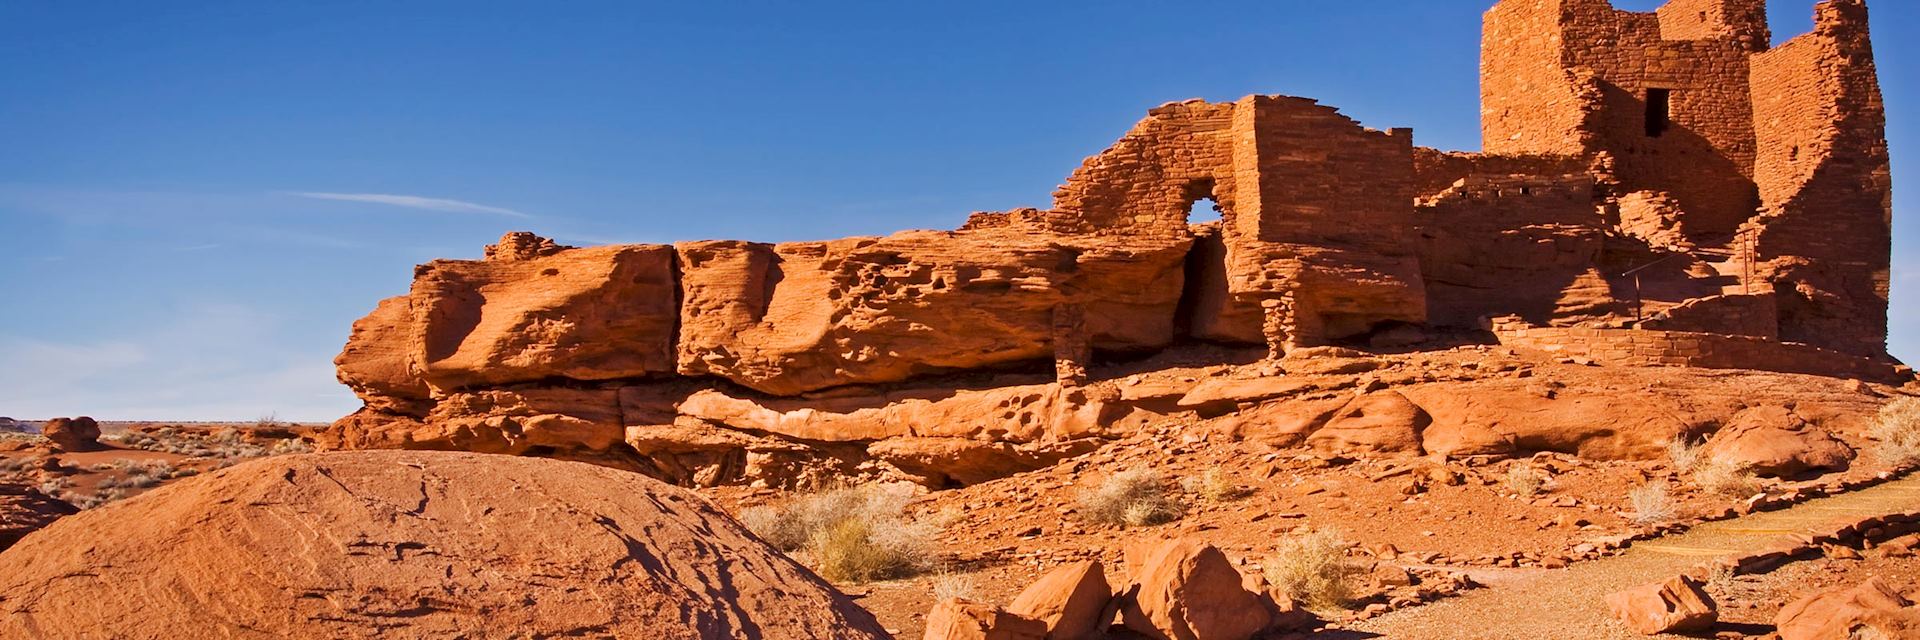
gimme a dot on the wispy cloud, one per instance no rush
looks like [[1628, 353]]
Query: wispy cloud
[[413, 202]]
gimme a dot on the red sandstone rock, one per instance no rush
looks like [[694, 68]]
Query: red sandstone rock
[[72, 434], [962, 620], [1188, 590], [377, 361], [414, 544], [585, 314], [1839, 612], [1069, 600], [24, 510], [1384, 422], [1775, 441], [1673, 605]]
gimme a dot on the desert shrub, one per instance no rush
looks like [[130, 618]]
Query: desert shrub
[[1524, 480], [290, 446], [1311, 567], [1896, 432], [1652, 504], [947, 585], [1725, 477], [1683, 452], [849, 534], [1134, 498], [53, 486], [1214, 486], [15, 465]]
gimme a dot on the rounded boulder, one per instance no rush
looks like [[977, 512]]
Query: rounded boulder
[[406, 544]]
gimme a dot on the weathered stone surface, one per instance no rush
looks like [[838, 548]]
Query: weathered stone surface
[[1069, 600], [24, 510], [1676, 604], [963, 620], [790, 318], [1188, 590], [600, 313], [396, 544], [1842, 611], [72, 434], [377, 361], [1775, 441], [1384, 422]]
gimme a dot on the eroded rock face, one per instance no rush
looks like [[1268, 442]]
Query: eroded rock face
[[1776, 441], [1675, 605], [24, 510], [72, 434], [384, 544], [1188, 590], [1842, 612], [1069, 600]]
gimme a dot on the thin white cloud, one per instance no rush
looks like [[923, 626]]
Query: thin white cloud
[[413, 202]]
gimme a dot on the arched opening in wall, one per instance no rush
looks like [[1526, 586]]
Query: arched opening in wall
[[1203, 210], [1200, 204]]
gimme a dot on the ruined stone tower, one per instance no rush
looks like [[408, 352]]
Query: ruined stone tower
[[1774, 156]]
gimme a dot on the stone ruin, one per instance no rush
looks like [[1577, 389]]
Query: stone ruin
[[1657, 189]]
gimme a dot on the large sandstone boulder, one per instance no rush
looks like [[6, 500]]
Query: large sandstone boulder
[[1069, 600], [376, 363], [790, 318], [72, 434], [1674, 605], [962, 620], [413, 544], [598, 313], [1384, 422], [1188, 590], [1498, 416], [24, 510], [1775, 441], [1840, 612]]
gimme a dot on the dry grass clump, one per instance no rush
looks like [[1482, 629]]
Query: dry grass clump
[[1896, 433], [230, 445], [1683, 452], [142, 475], [1652, 504], [16, 465], [1524, 480], [1311, 567], [849, 534], [1214, 486], [947, 585], [1725, 477], [1133, 498]]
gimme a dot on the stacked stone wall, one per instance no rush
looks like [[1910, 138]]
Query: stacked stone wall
[[1645, 348]]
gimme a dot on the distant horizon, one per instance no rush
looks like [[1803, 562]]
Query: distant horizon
[[203, 198]]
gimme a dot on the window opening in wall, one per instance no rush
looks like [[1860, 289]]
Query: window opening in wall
[[1203, 210], [1659, 111]]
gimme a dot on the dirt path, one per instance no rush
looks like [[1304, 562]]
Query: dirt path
[[1568, 603]]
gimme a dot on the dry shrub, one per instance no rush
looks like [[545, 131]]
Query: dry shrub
[[1725, 477], [849, 534], [1311, 567], [947, 585], [1683, 452], [1213, 486], [1524, 480], [1652, 504], [1134, 498], [1896, 433]]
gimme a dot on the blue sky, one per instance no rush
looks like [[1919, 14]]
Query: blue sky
[[181, 235]]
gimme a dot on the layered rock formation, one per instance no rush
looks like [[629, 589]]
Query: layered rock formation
[[952, 357], [414, 544]]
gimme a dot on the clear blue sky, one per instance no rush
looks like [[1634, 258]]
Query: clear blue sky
[[161, 261]]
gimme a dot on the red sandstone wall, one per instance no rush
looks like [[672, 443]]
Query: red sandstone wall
[[1521, 245], [1639, 348], [1529, 103], [1146, 181], [1435, 171], [1325, 214], [1824, 236]]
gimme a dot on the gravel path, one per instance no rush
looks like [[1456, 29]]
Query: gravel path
[[1568, 603]]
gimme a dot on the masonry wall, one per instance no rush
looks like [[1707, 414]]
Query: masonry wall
[[1640, 348], [1145, 183], [1324, 215], [1823, 238], [1572, 77], [1513, 245]]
